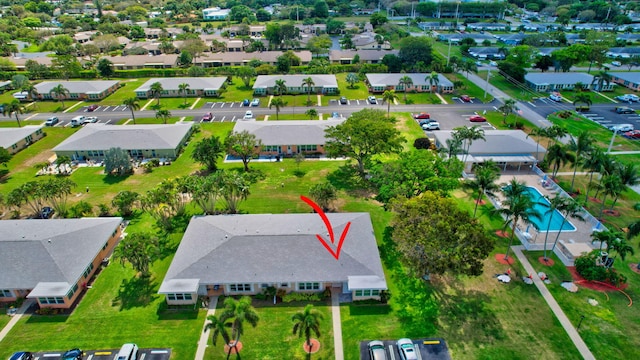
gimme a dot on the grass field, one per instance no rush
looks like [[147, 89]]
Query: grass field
[[576, 124]]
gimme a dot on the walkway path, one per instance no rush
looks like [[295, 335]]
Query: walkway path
[[204, 336], [15, 318], [337, 324], [553, 305]]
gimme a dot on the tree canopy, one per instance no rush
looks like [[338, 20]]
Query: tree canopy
[[208, 151]]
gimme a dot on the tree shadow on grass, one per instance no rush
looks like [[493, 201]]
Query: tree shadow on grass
[[182, 312], [347, 178], [113, 179], [135, 292]]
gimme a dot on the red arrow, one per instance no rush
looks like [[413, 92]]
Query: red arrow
[[327, 224]]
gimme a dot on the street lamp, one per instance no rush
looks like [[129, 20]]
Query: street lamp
[[486, 88], [613, 137], [580, 323]]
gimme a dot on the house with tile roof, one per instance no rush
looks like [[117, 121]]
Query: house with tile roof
[[16, 139], [324, 84], [246, 254], [198, 86], [53, 260], [378, 83], [140, 141]]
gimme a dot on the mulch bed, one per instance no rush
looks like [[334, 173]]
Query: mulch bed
[[634, 268], [315, 346], [579, 280], [501, 260], [547, 262], [480, 202], [503, 234], [235, 349], [615, 213], [595, 200]]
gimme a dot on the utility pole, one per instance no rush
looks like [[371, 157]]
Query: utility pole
[[486, 88]]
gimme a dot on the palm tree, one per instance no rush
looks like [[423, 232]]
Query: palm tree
[[132, 104], [184, 89], [517, 208], [239, 312], [578, 87], [278, 103], [281, 87], [582, 98], [621, 247], [594, 162], [468, 135], [555, 133], [569, 208], [352, 79], [610, 185], [219, 327], [605, 237], [629, 176], [389, 96], [600, 79], [307, 322], [156, 90], [14, 107], [309, 84], [163, 114], [31, 91], [405, 82], [311, 113], [558, 155], [507, 109], [581, 146], [538, 132], [60, 92], [486, 173], [433, 80]]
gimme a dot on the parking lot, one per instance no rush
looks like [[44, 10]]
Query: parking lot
[[143, 354], [426, 349], [608, 117], [97, 109], [450, 118]]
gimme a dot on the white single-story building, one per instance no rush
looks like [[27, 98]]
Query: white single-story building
[[215, 13], [76, 90], [555, 81], [323, 84], [198, 86], [378, 83], [16, 139]]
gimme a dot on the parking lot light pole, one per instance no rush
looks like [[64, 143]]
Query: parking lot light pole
[[613, 137], [486, 88]]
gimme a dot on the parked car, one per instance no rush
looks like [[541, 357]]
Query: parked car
[[128, 352], [628, 97], [555, 97], [633, 134], [431, 126], [255, 102], [477, 118], [246, 102], [616, 63], [248, 115], [376, 350], [335, 115], [465, 98], [427, 121], [90, 120], [343, 100], [624, 110], [92, 107], [21, 355], [52, 121], [493, 63], [621, 128], [372, 100], [406, 349], [422, 115], [77, 121], [46, 212], [207, 117], [479, 63], [73, 354]]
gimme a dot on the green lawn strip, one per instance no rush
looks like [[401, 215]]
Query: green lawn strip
[[235, 92], [153, 120], [285, 116], [127, 90], [512, 90], [49, 106], [577, 124], [419, 98], [606, 328], [273, 338], [470, 88], [595, 98], [4, 319], [443, 48], [7, 97], [361, 322], [14, 123], [176, 103]]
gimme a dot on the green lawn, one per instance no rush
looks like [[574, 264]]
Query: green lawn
[[126, 91], [510, 89], [14, 123], [236, 92], [576, 124], [153, 120], [358, 92]]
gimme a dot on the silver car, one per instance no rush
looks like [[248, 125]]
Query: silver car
[[376, 350], [406, 349]]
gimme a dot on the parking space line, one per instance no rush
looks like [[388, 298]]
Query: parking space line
[[212, 105], [143, 356], [231, 104], [212, 119], [392, 353], [105, 109], [221, 105], [233, 119], [222, 120]]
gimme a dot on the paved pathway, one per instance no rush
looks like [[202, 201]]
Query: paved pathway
[[15, 318], [553, 305], [204, 336], [337, 324]]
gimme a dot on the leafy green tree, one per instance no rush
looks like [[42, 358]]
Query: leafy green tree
[[285, 61], [569, 208], [14, 108], [139, 250], [60, 92], [321, 9], [323, 194], [468, 135], [105, 68], [319, 44], [5, 156], [280, 87], [196, 71], [205, 191], [306, 322], [594, 162], [484, 181], [352, 79], [234, 315], [517, 207], [389, 96], [208, 151], [507, 109], [629, 176], [124, 201], [435, 236], [133, 105], [414, 49], [558, 155], [117, 161], [311, 113], [220, 326], [163, 114], [57, 191], [244, 145], [364, 134], [80, 209], [433, 80], [67, 65], [234, 189], [582, 99], [246, 73], [377, 19], [240, 12], [278, 103]]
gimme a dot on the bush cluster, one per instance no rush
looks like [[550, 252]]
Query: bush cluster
[[588, 268]]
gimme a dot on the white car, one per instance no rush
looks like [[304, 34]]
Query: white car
[[616, 63], [555, 97], [90, 120], [628, 97], [406, 349], [248, 115], [431, 126], [493, 63]]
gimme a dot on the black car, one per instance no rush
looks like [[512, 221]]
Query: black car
[[624, 110], [343, 100], [73, 354], [22, 355], [46, 212]]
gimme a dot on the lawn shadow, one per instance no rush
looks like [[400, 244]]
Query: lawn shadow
[[181, 312], [369, 309], [113, 179], [43, 319], [135, 292]]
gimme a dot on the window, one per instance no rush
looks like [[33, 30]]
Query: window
[[5, 293], [271, 148], [51, 300], [309, 286], [87, 271], [72, 291], [179, 296], [307, 147], [240, 287], [367, 293], [284, 285], [264, 286]]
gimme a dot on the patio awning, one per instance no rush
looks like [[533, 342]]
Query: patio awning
[[370, 282], [179, 286], [505, 158], [50, 289]]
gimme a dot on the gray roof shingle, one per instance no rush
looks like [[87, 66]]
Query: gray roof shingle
[[10, 136], [392, 79], [195, 83], [292, 132], [267, 81], [498, 142], [559, 78], [77, 87]]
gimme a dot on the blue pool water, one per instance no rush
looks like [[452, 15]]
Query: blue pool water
[[556, 216]]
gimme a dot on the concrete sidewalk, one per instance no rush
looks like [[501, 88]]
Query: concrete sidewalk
[[337, 324], [204, 336], [15, 318], [553, 305]]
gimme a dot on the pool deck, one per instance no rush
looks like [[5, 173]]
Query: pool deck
[[566, 249]]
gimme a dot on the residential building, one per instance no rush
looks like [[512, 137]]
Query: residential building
[[77, 90], [246, 254], [436, 25], [511, 39], [132, 62], [369, 40], [487, 26], [323, 84], [365, 56], [555, 81], [487, 53], [627, 79], [198, 86], [140, 141], [457, 37], [21, 62], [215, 14], [151, 47], [623, 52], [242, 58], [628, 37], [16, 139], [288, 138], [53, 260], [378, 83]]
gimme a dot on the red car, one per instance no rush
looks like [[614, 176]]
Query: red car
[[422, 116], [92, 107], [465, 98], [207, 117], [633, 134], [477, 118]]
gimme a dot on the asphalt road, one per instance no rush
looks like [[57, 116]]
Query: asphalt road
[[143, 354]]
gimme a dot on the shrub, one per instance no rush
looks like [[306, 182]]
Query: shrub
[[588, 268], [295, 296]]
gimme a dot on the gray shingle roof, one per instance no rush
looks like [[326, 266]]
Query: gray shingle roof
[[77, 87], [419, 79], [293, 132], [50, 251], [128, 137], [273, 248], [498, 142], [365, 55], [10, 136], [559, 78], [267, 81], [632, 77], [195, 83]]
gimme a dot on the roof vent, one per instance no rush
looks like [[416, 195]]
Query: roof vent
[[49, 241]]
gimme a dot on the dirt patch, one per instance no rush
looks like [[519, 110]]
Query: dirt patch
[[593, 285], [503, 234], [634, 268], [508, 261], [609, 212], [545, 262], [480, 202], [234, 350]]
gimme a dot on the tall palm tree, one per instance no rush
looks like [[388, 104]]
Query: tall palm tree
[[558, 155], [601, 78], [433, 80], [555, 133], [133, 105], [156, 90], [307, 322], [569, 208], [14, 107], [518, 208], [31, 91], [60, 92], [219, 326], [163, 114], [239, 312], [610, 185], [507, 109], [468, 135], [538, 132], [484, 182], [594, 162], [582, 98], [309, 84], [405, 82], [580, 145], [311, 113], [184, 89], [389, 96], [605, 237], [280, 87], [278, 103], [629, 176], [621, 247]]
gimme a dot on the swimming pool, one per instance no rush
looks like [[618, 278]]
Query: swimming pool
[[539, 203]]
